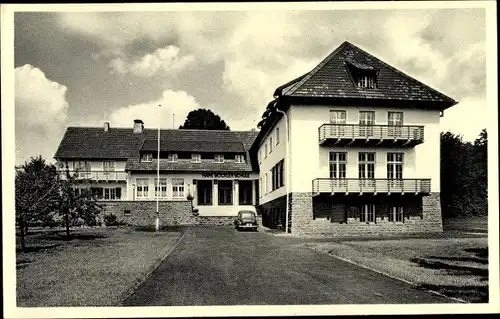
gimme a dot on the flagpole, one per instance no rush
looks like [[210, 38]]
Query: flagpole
[[157, 188]]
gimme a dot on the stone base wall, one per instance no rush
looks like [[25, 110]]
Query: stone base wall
[[172, 213], [303, 223]]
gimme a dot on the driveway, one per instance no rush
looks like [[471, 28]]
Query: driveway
[[221, 266]]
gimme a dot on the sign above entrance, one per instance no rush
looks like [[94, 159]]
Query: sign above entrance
[[226, 174]]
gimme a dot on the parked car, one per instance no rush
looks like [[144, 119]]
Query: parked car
[[246, 219]]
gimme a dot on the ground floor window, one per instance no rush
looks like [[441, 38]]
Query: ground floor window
[[245, 192], [396, 214], [105, 192], [142, 187], [177, 188], [161, 188], [204, 192], [225, 192], [367, 213]]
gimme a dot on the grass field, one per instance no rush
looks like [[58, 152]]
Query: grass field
[[456, 267], [98, 267]]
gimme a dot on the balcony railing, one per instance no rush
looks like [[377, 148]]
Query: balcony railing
[[377, 185], [346, 134], [98, 176]]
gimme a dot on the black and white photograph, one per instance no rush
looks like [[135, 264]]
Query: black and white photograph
[[249, 159]]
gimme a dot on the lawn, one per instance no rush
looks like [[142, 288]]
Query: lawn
[[98, 267], [456, 267]]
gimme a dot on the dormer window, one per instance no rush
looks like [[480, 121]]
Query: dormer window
[[363, 75], [196, 158], [219, 158], [172, 157], [239, 159], [147, 157], [366, 81]]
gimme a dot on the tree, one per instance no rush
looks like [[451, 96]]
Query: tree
[[36, 195], [203, 119], [76, 203]]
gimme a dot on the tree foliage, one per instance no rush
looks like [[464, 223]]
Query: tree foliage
[[204, 119], [463, 176], [36, 195]]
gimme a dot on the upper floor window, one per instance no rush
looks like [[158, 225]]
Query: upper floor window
[[366, 165], [196, 158], [219, 158], [395, 118], [108, 166], [147, 157], [265, 150], [363, 74], [173, 157], [239, 158], [395, 165], [337, 117], [270, 144], [82, 166], [338, 164], [366, 119], [260, 155], [277, 135]]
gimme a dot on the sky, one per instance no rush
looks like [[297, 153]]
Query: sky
[[85, 68]]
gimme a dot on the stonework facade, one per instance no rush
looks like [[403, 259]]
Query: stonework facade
[[303, 207], [172, 213]]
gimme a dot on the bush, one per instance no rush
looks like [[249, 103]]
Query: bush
[[111, 220]]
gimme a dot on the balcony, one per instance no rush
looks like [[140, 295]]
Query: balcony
[[97, 176], [370, 135], [372, 186]]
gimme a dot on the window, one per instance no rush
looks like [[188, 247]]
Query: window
[[126, 212], [82, 167], [108, 166], [277, 175], [339, 119], [172, 157], [261, 186], [110, 193], [142, 187], [219, 158], [147, 157], [277, 135], [239, 158], [366, 81], [196, 158], [395, 121], [338, 164], [366, 122], [367, 213], [366, 171], [245, 193], [260, 156], [98, 192], [161, 189], [225, 192], [265, 182], [395, 169], [270, 144], [177, 188], [396, 214], [265, 150]]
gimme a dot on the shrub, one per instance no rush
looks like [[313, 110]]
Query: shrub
[[111, 220]]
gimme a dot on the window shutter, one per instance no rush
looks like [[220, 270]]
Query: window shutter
[[118, 193]]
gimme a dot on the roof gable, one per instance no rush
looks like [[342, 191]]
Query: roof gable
[[332, 79]]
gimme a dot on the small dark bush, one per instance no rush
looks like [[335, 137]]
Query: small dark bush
[[111, 220]]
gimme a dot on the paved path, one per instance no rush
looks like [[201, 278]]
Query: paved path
[[220, 266]]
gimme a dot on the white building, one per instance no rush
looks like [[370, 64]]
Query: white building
[[364, 144]]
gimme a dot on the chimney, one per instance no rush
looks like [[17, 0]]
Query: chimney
[[106, 126], [138, 126]]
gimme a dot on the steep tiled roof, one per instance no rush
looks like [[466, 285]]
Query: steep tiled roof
[[122, 143], [134, 164], [199, 146], [331, 79]]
